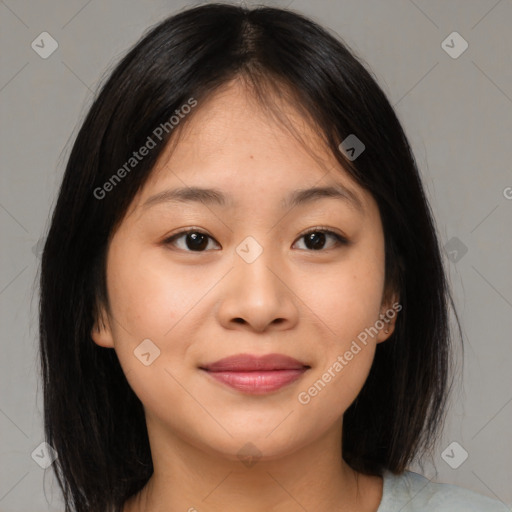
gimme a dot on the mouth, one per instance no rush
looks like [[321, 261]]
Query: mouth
[[256, 375]]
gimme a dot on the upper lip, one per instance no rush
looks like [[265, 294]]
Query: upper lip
[[251, 363]]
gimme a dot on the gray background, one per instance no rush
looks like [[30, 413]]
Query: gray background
[[457, 114]]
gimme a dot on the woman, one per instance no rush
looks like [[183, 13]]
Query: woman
[[243, 301]]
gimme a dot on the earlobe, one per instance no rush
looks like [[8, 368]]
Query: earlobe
[[388, 318], [386, 332], [101, 332]]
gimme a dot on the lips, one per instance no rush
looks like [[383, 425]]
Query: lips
[[249, 363], [256, 374]]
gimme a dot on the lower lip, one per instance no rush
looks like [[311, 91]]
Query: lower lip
[[258, 382]]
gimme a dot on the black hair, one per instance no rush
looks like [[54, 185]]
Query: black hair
[[92, 417]]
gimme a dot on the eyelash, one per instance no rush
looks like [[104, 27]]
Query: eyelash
[[340, 240]]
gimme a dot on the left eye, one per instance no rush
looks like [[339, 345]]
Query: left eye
[[197, 241], [315, 239]]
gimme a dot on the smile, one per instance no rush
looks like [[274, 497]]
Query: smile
[[256, 374]]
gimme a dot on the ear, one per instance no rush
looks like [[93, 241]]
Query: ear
[[388, 316], [101, 331]]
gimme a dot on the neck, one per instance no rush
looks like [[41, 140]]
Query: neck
[[194, 479]]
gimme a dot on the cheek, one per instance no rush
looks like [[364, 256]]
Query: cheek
[[347, 297], [148, 296], [347, 300], [343, 365], [148, 303], [331, 391]]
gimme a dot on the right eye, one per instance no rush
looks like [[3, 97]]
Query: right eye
[[192, 240]]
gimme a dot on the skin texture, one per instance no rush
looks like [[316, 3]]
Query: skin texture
[[198, 307]]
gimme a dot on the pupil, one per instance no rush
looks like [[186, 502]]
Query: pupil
[[317, 240], [196, 241]]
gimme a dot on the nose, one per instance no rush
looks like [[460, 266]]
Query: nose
[[258, 296]]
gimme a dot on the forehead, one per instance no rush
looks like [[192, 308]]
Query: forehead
[[232, 121], [232, 144]]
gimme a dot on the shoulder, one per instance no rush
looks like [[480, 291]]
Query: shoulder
[[412, 492]]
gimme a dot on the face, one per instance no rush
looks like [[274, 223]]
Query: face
[[264, 270]]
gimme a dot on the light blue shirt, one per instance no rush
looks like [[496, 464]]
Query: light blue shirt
[[412, 492]]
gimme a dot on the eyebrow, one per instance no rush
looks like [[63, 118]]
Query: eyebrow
[[214, 196]]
